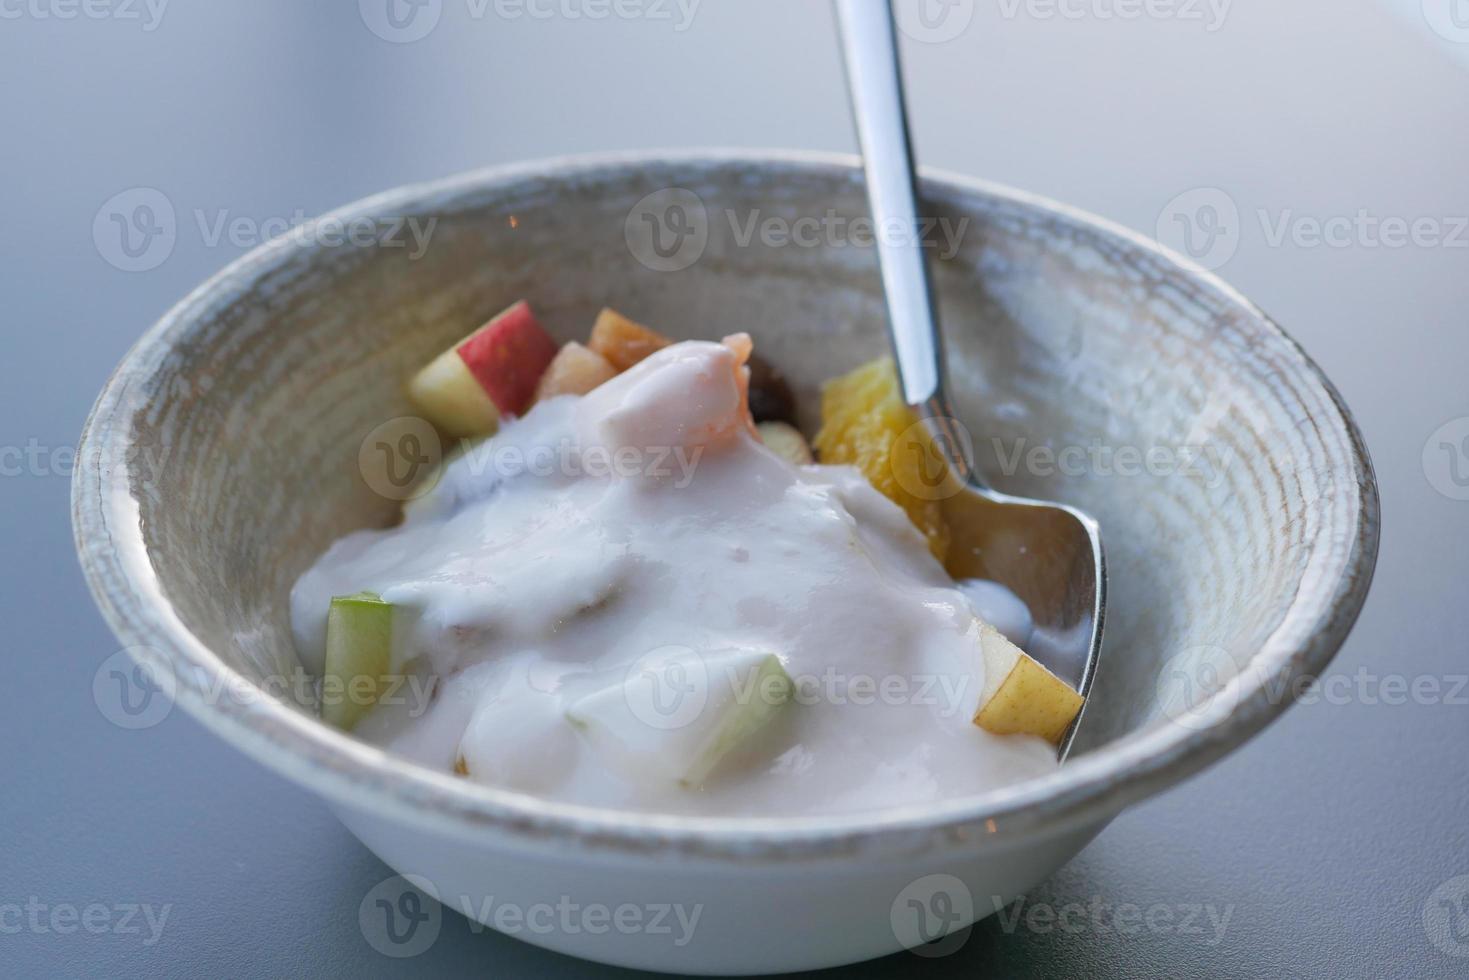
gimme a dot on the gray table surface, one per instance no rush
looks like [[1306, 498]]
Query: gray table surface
[[1329, 842]]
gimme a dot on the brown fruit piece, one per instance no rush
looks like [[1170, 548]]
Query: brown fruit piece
[[623, 342], [770, 396]]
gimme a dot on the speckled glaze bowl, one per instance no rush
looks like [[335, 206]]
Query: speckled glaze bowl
[[1234, 493]]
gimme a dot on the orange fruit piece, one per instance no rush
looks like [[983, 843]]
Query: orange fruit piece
[[622, 341], [866, 423]]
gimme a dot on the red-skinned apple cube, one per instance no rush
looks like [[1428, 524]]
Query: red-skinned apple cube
[[492, 372], [507, 356]]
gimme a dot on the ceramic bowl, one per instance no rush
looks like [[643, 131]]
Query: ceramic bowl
[[1234, 493]]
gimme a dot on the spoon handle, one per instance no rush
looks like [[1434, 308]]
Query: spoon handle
[[875, 86]]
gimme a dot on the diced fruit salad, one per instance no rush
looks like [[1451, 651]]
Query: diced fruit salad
[[510, 364]]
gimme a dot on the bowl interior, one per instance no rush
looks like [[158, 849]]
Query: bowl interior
[[1089, 368]]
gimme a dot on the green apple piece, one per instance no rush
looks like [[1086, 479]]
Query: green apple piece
[[675, 716], [740, 719], [359, 653]]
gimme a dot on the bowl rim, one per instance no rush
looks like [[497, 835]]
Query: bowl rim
[[1086, 792]]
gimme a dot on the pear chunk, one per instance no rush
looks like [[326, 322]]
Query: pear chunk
[[575, 370], [1020, 696], [678, 712], [786, 441]]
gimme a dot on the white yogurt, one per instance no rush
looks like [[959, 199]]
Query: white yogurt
[[1001, 608], [571, 553]]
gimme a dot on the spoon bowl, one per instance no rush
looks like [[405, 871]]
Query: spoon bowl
[[1050, 556]]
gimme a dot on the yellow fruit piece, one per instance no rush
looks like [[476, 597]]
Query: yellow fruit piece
[[1020, 696], [866, 423]]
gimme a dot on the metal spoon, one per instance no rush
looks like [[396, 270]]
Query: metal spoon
[[1048, 554]]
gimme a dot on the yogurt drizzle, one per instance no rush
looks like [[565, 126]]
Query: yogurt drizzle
[[556, 559]]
